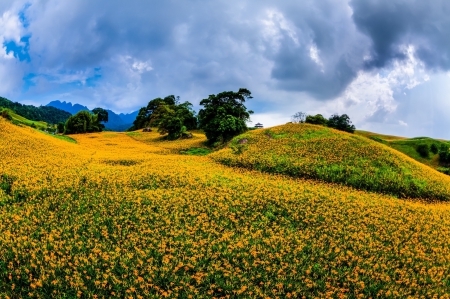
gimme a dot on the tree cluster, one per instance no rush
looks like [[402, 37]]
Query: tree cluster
[[47, 114], [168, 115], [86, 122], [336, 121], [224, 116]]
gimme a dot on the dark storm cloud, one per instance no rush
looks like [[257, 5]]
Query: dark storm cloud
[[392, 25], [324, 27], [154, 48]]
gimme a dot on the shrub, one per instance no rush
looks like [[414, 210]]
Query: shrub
[[434, 148], [423, 150]]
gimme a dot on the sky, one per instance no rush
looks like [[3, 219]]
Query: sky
[[384, 63]]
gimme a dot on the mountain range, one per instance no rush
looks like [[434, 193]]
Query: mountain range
[[116, 122]]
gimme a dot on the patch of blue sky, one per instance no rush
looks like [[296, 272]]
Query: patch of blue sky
[[20, 51], [28, 81], [22, 16]]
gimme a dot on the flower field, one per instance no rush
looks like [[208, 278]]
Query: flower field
[[310, 151], [120, 215]]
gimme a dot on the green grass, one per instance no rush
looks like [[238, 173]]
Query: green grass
[[408, 146], [20, 120], [196, 151], [65, 138], [325, 154]]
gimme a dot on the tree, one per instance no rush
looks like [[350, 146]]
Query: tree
[[317, 119], [102, 114], [341, 122], [174, 119], [224, 115], [143, 119], [83, 122], [60, 127], [298, 117]]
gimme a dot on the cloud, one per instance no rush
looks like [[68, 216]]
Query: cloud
[[393, 24]]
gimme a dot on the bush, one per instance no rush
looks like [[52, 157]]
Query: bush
[[423, 150], [5, 115], [434, 148], [317, 119]]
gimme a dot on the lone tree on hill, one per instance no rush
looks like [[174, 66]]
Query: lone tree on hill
[[341, 122], [224, 115]]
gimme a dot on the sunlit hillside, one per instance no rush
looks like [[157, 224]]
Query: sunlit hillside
[[310, 151], [125, 215]]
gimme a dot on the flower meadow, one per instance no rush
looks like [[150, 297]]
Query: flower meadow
[[316, 152], [120, 215]]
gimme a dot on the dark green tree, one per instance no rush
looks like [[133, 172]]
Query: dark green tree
[[423, 150], [341, 122], [174, 119], [102, 114], [60, 127], [143, 119], [83, 122], [317, 119], [224, 115]]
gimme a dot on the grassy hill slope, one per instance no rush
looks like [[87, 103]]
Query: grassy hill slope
[[309, 151], [116, 217], [408, 146]]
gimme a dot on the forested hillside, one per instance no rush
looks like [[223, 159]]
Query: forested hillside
[[47, 114]]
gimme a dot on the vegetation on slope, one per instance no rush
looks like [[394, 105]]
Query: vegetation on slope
[[46, 114], [20, 120], [310, 151], [112, 217], [410, 146]]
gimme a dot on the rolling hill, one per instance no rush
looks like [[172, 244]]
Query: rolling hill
[[124, 214], [316, 152]]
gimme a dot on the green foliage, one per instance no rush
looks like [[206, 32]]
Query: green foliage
[[423, 150], [144, 117], [196, 151], [434, 148], [224, 115], [102, 114], [83, 122], [60, 127], [341, 122], [47, 114], [174, 119], [444, 154], [328, 155], [168, 115], [317, 119], [5, 114]]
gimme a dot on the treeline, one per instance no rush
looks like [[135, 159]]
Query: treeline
[[336, 121], [224, 116], [47, 114]]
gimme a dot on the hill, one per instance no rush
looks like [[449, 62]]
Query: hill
[[123, 214], [310, 151], [409, 146], [46, 114], [117, 122]]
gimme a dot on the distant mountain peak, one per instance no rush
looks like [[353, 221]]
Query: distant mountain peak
[[116, 122]]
